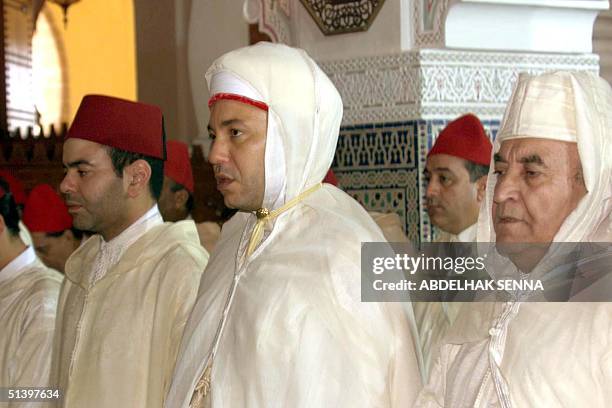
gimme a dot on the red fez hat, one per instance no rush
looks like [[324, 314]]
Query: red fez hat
[[178, 164], [465, 138], [131, 126], [45, 211], [16, 187], [330, 178]]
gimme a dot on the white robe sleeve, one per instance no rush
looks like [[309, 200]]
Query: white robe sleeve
[[32, 359]]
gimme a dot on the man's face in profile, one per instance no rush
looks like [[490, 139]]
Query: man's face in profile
[[93, 192], [238, 133], [172, 202], [54, 249], [452, 198], [539, 183]]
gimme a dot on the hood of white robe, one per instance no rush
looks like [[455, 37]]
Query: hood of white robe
[[570, 107], [304, 114]]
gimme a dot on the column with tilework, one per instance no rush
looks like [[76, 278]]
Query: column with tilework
[[405, 68], [411, 97]]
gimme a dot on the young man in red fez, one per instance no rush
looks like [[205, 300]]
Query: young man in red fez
[[456, 173], [176, 200], [130, 287], [20, 196], [53, 237], [28, 302]]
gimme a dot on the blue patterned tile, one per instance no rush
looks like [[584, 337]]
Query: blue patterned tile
[[381, 166]]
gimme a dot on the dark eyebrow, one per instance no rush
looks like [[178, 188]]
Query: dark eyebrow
[[497, 157], [226, 123], [230, 122], [77, 163], [532, 159]]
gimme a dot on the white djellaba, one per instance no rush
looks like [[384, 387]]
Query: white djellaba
[[527, 354], [284, 326], [28, 304]]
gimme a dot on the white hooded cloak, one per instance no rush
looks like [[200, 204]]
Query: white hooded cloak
[[520, 354], [285, 327]]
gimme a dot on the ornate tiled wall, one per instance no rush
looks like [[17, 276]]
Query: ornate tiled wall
[[395, 107], [381, 166], [378, 165]]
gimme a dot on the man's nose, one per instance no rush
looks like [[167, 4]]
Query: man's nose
[[433, 188], [506, 187], [67, 185], [219, 152]]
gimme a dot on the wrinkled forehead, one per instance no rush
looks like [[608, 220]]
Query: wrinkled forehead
[[558, 156]]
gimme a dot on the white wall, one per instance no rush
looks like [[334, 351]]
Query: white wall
[[215, 27], [522, 25], [602, 43], [563, 26], [384, 36]]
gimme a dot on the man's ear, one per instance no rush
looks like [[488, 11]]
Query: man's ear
[[2, 225], [180, 198], [136, 177], [481, 187]]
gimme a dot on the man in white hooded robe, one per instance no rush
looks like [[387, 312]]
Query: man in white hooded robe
[[278, 321], [552, 182]]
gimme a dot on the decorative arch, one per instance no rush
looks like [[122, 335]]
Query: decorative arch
[[50, 73]]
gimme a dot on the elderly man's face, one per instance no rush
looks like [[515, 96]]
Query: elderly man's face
[[238, 133], [539, 183]]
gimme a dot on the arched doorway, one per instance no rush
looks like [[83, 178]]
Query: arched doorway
[[50, 82]]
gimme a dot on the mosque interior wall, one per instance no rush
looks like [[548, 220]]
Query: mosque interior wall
[[401, 80], [396, 106], [411, 72]]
